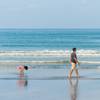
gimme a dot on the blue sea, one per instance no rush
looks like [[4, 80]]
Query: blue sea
[[52, 46], [47, 51], [49, 39]]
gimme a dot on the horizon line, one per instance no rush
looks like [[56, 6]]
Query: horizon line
[[42, 28]]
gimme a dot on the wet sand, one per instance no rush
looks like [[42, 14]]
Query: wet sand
[[50, 84]]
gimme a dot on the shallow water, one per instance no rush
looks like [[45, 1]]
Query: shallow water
[[49, 46], [50, 84]]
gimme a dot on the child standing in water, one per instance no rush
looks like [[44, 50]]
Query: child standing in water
[[73, 61]]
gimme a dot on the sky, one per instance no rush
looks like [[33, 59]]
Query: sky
[[49, 13]]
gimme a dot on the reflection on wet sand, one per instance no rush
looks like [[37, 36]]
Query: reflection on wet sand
[[73, 88], [22, 82]]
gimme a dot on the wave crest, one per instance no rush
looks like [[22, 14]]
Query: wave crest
[[50, 53]]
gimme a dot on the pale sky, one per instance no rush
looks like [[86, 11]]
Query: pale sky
[[49, 13]]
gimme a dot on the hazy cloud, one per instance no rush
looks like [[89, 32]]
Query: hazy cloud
[[49, 13]]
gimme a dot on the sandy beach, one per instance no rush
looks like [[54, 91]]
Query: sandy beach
[[50, 84]]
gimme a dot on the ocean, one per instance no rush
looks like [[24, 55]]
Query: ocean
[[47, 51], [47, 47], [49, 39]]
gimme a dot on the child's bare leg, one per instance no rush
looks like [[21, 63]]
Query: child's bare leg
[[76, 70], [71, 71]]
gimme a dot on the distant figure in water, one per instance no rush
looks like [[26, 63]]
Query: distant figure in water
[[22, 68], [74, 62]]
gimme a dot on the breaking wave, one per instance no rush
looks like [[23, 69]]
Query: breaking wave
[[50, 53]]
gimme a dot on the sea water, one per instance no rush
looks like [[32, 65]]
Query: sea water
[[50, 46], [49, 39]]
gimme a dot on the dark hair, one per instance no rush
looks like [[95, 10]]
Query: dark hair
[[74, 49], [26, 67]]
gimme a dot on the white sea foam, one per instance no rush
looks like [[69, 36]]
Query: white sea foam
[[50, 53], [45, 62], [31, 62], [89, 52]]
